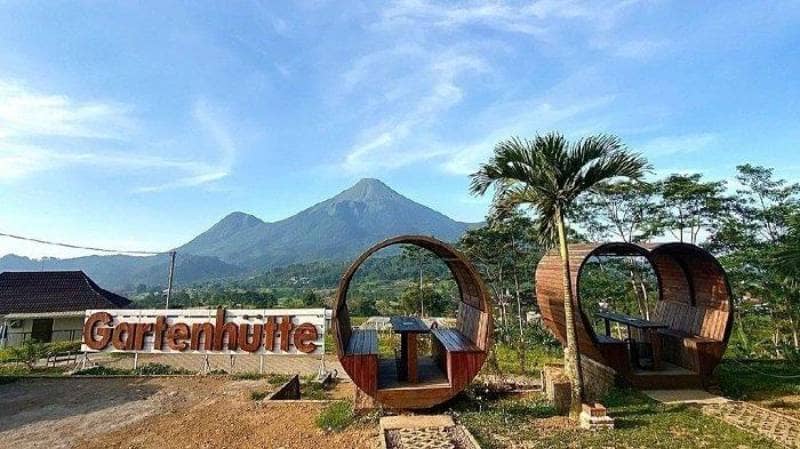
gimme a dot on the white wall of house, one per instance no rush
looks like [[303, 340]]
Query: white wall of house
[[64, 329]]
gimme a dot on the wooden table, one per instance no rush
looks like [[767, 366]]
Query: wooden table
[[649, 327], [408, 327]]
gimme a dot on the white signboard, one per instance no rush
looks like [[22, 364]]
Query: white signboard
[[236, 331]]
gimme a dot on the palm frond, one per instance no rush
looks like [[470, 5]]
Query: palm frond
[[548, 174]]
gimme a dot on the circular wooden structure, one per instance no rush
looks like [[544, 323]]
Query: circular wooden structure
[[457, 354], [695, 301]]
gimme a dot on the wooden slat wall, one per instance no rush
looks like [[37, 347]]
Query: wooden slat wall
[[710, 317], [363, 371], [674, 285], [474, 324], [550, 296], [462, 367]]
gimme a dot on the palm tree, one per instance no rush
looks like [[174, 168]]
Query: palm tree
[[547, 174]]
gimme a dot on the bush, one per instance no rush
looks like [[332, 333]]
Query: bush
[[103, 371], [159, 369], [64, 346], [28, 352], [336, 416], [6, 355]]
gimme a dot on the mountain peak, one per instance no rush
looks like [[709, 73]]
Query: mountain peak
[[368, 189], [240, 219]]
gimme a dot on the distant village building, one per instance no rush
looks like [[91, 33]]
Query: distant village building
[[49, 306]]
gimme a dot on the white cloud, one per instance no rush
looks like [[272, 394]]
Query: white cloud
[[537, 18], [27, 117], [669, 145], [404, 93], [24, 112], [395, 140]]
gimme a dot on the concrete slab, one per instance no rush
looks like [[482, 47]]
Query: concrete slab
[[685, 397]]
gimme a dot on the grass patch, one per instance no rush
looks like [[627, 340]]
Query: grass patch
[[258, 395], [278, 379], [641, 423], [336, 416], [248, 376], [488, 416], [150, 369], [530, 362], [759, 379], [22, 370], [313, 390]]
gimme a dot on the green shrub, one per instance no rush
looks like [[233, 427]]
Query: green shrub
[[64, 346], [28, 352], [313, 390], [103, 371], [158, 369], [336, 416], [6, 355]]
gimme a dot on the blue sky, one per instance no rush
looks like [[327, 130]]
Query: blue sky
[[137, 125]]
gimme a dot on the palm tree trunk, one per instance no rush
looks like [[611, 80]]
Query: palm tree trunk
[[572, 360]]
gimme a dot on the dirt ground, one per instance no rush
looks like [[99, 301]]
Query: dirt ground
[[177, 412]]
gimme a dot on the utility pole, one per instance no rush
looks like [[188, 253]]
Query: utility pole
[[171, 274]]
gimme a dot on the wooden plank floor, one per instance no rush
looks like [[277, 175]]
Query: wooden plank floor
[[430, 376], [669, 377], [667, 369]]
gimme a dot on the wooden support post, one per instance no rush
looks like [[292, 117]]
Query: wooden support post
[[411, 345]]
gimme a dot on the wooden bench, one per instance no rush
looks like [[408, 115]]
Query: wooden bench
[[615, 351], [363, 342], [694, 339], [456, 355], [452, 340], [607, 340], [360, 359]]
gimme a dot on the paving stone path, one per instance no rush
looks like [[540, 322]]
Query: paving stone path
[[785, 430], [424, 432], [782, 429], [430, 438]]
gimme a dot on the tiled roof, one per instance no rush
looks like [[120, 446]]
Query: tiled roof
[[53, 291]]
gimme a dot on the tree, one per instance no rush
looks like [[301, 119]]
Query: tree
[[688, 205], [505, 251], [625, 211], [430, 293], [756, 241], [621, 210], [310, 298], [548, 173], [421, 258]]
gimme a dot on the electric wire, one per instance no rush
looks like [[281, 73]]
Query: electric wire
[[88, 248]]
